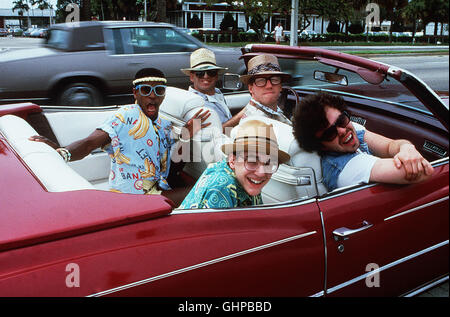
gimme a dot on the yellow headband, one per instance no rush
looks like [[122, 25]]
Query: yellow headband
[[141, 80]]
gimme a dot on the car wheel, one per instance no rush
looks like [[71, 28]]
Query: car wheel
[[80, 94]]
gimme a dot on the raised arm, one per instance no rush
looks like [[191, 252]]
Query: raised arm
[[81, 148]]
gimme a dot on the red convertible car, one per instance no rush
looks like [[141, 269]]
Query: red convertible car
[[62, 233]]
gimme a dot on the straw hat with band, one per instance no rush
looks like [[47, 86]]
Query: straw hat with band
[[264, 65], [257, 137], [201, 60]]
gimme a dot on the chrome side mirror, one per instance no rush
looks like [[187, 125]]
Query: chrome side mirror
[[231, 81]]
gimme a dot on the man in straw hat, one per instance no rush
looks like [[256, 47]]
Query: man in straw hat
[[138, 141], [204, 74], [238, 180], [264, 78]]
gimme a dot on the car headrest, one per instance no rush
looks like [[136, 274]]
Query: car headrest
[[183, 105], [178, 102], [288, 144]]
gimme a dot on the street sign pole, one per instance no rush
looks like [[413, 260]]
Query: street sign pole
[[294, 23], [145, 10]]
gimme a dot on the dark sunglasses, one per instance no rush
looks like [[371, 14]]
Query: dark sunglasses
[[262, 81], [330, 133], [211, 73], [146, 90]]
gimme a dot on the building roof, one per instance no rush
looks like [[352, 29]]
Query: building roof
[[33, 13]]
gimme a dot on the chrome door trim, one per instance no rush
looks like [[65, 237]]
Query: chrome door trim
[[325, 250], [387, 266], [431, 203], [427, 287], [200, 265], [319, 294], [280, 205]]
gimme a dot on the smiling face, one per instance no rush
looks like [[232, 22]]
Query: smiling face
[[252, 181], [345, 140], [205, 84], [267, 95], [149, 104]]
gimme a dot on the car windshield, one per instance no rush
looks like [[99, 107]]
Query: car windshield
[[141, 40], [58, 39], [388, 90]]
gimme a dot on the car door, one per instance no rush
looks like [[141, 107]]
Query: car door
[[134, 48], [385, 240], [259, 251], [262, 251]]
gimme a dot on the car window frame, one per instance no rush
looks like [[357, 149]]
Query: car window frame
[[109, 34]]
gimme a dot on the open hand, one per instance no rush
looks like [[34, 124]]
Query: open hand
[[40, 138], [196, 123]]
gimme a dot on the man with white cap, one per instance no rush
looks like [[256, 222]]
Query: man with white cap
[[264, 78], [204, 74], [238, 180]]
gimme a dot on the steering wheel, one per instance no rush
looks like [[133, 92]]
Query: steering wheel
[[288, 101]]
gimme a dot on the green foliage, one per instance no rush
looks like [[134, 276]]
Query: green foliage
[[333, 27], [356, 28], [228, 22], [194, 22]]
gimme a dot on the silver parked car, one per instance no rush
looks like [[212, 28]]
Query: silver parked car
[[93, 63]]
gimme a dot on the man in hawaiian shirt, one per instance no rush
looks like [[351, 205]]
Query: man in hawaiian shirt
[[138, 141], [264, 78], [238, 180]]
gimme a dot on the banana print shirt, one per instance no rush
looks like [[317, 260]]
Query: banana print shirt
[[139, 151], [218, 187]]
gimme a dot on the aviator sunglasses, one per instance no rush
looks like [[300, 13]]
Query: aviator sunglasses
[[211, 73], [330, 133], [146, 90]]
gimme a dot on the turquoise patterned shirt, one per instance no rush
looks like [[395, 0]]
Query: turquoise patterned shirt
[[218, 187], [140, 151]]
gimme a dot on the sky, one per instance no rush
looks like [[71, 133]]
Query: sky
[[8, 4]]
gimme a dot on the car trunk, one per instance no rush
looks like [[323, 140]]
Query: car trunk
[[31, 215]]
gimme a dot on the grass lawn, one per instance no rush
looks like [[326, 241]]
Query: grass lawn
[[241, 44], [445, 47]]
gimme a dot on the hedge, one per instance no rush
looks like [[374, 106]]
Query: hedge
[[223, 37]]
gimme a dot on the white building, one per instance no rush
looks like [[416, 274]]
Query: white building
[[39, 18], [212, 16]]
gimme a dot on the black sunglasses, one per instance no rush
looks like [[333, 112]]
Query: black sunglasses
[[330, 133], [211, 73]]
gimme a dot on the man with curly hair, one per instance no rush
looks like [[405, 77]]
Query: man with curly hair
[[350, 153]]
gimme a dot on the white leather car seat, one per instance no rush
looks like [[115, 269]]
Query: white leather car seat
[[300, 177], [179, 106], [48, 166]]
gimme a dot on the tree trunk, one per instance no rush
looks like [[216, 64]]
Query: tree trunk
[[161, 11], [85, 14]]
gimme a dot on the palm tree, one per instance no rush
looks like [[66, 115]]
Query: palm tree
[[21, 6]]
